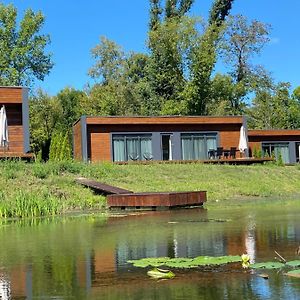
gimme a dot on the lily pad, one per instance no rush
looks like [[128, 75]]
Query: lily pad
[[294, 273], [267, 265], [185, 263], [151, 261], [160, 274], [293, 263]]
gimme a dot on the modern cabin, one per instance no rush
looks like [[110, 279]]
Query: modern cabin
[[15, 100], [284, 143], [121, 139]]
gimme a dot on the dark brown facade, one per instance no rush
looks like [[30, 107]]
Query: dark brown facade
[[163, 138], [15, 100]]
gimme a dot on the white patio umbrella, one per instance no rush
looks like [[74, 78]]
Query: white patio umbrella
[[3, 128], [243, 143]]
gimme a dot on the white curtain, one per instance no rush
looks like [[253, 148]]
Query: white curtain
[[146, 148], [119, 149], [187, 148], [199, 148]]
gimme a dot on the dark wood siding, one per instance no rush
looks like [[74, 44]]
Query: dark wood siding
[[11, 95], [12, 99], [77, 141]]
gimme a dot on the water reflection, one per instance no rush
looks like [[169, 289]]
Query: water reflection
[[86, 258]]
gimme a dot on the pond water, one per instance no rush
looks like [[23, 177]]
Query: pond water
[[86, 257]]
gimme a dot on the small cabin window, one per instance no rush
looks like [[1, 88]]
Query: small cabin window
[[132, 147]]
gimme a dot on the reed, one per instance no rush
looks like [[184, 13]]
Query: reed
[[47, 189]]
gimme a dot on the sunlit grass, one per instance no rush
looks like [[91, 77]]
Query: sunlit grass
[[43, 189]]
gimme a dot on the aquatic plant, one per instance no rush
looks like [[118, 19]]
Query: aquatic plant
[[160, 274], [267, 265], [185, 262], [294, 273]]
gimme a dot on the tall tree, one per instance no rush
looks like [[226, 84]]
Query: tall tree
[[22, 48], [44, 114], [220, 10], [243, 40], [166, 66], [274, 108], [203, 59]]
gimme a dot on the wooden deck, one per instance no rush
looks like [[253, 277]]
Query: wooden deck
[[118, 198], [16, 155], [156, 200], [229, 161], [102, 188]]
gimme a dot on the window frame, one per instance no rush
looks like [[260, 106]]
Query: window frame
[[130, 136], [199, 134]]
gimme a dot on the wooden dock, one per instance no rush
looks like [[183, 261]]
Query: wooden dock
[[118, 198], [102, 188], [156, 200]]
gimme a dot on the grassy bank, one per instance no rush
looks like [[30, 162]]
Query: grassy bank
[[47, 189]]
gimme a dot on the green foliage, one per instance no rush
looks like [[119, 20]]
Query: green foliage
[[22, 48], [279, 160], [242, 40], [219, 11], [28, 205], [274, 108], [60, 147], [44, 115]]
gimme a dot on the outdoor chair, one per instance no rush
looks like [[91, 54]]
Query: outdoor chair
[[211, 153], [219, 152], [232, 152]]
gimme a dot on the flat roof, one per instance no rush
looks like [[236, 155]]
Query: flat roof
[[164, 120], [274, 132], [12, 87]]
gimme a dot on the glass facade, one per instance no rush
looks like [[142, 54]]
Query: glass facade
[[132, 147], [278, 150], [195, 146]]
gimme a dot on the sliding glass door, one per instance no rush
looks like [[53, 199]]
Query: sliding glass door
[[196, 146], [132, 147], [279, 150]]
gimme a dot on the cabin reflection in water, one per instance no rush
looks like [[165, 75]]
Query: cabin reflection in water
[[100, 265]]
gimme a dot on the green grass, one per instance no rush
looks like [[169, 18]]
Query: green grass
[[40, 189]]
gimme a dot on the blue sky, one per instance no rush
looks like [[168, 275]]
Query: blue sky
[[75, 27]]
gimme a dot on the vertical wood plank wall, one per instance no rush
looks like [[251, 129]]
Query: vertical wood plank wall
[[77, 141], [12, 98]]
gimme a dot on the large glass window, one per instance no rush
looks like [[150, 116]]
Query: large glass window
[[132, 147], [278, 150], [197, 145]]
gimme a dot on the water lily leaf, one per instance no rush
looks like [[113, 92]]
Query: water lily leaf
[[185, 263], [294, 273], [267, 265], [151, 261], [293, 263], [160, 274]]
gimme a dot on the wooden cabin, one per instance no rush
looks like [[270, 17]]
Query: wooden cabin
[[15, 100], [284, 143], [120, 139]]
